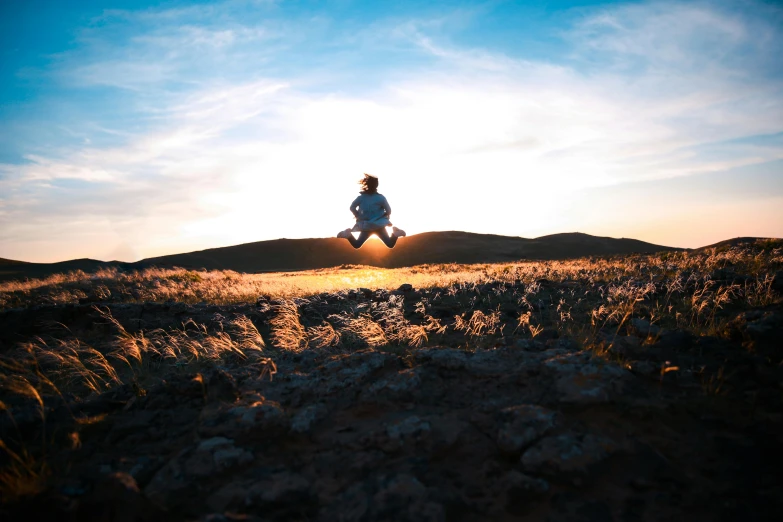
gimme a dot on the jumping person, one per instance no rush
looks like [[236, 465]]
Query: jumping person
[[372, 212]]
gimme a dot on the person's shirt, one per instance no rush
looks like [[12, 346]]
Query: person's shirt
[[372, 211]]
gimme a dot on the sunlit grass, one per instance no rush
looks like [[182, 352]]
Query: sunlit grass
[[222, 286], [225, 286], [589, 301]]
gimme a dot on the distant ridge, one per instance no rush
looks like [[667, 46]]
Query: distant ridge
[[280, 255], [21, 269], [731, 242]]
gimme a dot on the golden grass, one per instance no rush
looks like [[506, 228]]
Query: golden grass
[[225, 286], [42, 368], [580, 298]]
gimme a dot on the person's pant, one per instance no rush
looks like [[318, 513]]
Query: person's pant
[[382, 234]]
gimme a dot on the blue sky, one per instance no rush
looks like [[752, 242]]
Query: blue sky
[[135, 129]]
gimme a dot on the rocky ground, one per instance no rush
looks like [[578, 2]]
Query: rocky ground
[[643, 424]]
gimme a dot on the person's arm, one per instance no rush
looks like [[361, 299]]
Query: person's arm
[[353, 207], [386, 206]]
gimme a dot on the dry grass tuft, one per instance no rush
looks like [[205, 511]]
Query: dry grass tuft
[[288, 333]]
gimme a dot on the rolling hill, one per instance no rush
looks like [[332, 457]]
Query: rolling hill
[[429, 247], [302, 254], [730, 243], [21, 269]]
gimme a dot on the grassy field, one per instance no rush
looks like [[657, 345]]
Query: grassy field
[[755, 260], [463, 305], [224, 318]]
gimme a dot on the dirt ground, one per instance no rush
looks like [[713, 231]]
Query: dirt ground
[[668, 426]]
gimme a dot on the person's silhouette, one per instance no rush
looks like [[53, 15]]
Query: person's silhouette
[[372, 212]]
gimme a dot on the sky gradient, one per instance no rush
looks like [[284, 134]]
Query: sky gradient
[[134, 129]]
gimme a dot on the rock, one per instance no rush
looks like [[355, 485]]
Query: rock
[[353, 369], [399, 497], [131, 424], [230, 495], [169, 485], [106, 402], [765, 328], [411, 427], [632, 348], [308, 358], [777, 282], [229, 456], [519, 482], [230, 517], [760, 331], [304, 420], [628, 347], [380, 295], [582, 378], [496, 362], [116, 498], [354, 505], [144, 469], [645, 368], [566, 454], [676, 340], [213, 443], [445, 308], [407, 431], [74, 488], [259, 419], [547, 334], [403, 497], [399, 386], [643, 328], [284, 487], [448, 432], [199, 464], [405, 287], [523, 425], [446, 358], [563, 343], [568, 506], [521, 491], [221, 386], [174, 392], [531, 345]]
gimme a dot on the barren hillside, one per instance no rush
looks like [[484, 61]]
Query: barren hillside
[[307, 254]]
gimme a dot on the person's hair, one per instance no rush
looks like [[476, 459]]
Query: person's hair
[[369, 184]]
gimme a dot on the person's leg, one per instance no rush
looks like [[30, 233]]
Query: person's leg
[[357, 243], [384, 236]]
